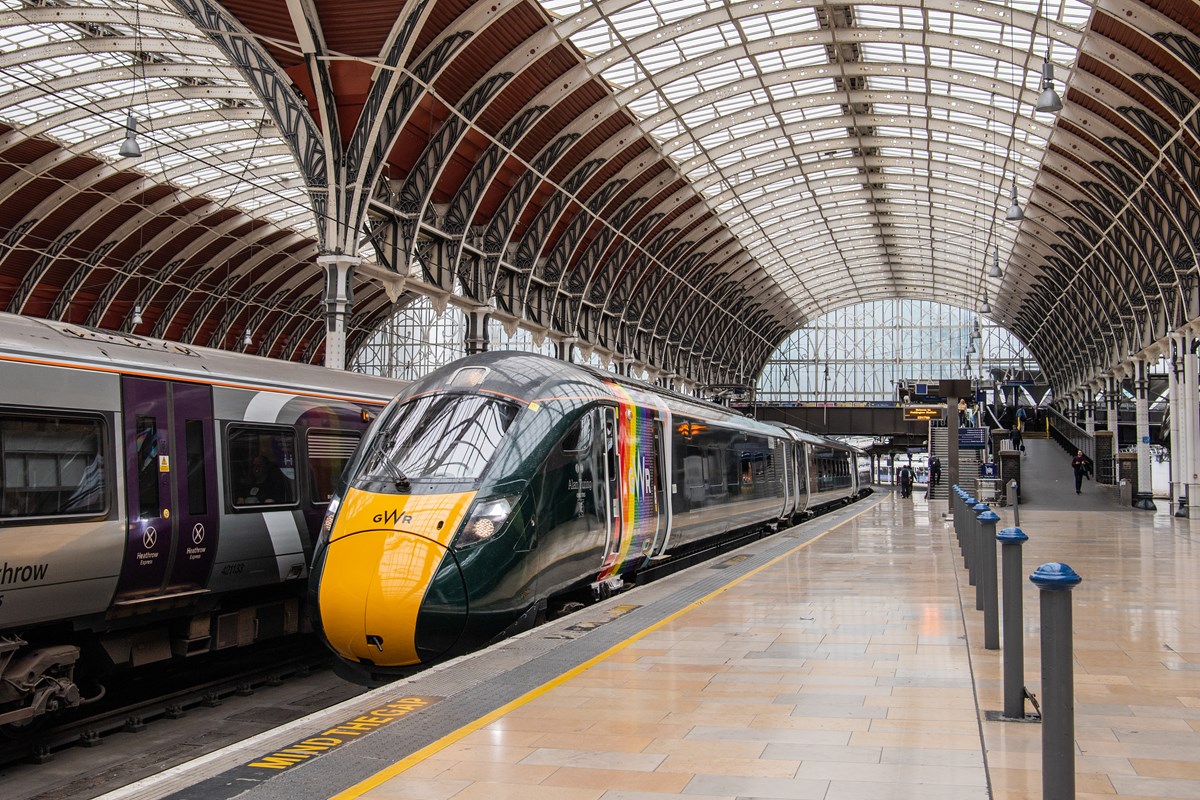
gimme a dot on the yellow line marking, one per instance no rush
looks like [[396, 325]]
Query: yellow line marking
[[428, 750]]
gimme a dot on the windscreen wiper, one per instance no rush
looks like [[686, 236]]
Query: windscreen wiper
[[381, 451]]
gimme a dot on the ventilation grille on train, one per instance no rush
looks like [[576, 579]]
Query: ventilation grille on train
[[332, 446]]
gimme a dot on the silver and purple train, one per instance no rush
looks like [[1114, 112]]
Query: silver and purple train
[[157, 501]]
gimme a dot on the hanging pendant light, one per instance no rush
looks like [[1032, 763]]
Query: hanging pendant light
[[1048, 100], [246, 340], [985, 307], [137, 316], [1015, 213], [129, 147], [995, 272]]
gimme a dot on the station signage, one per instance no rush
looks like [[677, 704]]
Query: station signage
[[922, 413]]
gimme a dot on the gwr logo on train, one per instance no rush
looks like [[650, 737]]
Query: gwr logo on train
[[393, 517]]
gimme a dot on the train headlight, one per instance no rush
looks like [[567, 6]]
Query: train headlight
[[486, 518], [330, 516]]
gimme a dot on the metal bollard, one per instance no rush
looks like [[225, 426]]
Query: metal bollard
[[956, 505], [1058, 680], [974, 533], [964, 515], [985, 591], [1015, 502], [1011, 540]]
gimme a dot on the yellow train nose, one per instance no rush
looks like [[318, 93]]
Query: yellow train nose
[[372, 588]]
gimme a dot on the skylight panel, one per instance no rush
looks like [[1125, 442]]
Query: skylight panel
[[972, 27], [698, 116], [669, 130], [737, 102], [648, 104], [662, 57], [599, 37], [636, 19], [756, 27], [791, 58], [623, 73], [764, 146], [682, 89], [877, 16], [808, 88], [673, 10], [564, 8], [793, 20], [895, 83], [705, 41], [750, 127], [883, 52]]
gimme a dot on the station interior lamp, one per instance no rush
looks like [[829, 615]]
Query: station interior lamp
[[995, 272], [1015, 214], [1048, 100], [985, 307], [130, 147]]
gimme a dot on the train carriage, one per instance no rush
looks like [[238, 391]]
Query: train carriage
[[505, 480], [157, 500]]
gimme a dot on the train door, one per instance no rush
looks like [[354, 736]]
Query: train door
[[633, 439], [171, 488], [612, 483], [654, 463]]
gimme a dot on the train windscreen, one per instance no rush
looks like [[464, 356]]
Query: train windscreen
[[437, 438]]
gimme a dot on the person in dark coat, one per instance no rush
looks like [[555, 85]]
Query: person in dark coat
[[905, 476], [1015, 437], [266, 483], [935, 470], [1083, 469]]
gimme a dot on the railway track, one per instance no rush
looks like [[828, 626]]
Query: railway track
[[139, 699]]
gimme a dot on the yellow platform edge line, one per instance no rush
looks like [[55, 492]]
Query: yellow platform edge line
[[381, 777]]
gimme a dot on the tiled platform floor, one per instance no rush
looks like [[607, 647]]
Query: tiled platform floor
[[848, 670]]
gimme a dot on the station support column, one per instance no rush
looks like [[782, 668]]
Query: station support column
[[1144, 499], [1089, 409], [1112, 399], [1177, 459], [477, 338], [1189, 400], [339, 301]]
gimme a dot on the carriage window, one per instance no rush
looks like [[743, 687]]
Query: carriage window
[[262, 465], [52, 467], [328, 452], [146, 446], [193, 431], [579, 438]]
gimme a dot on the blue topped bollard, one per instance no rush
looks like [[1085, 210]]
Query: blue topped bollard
[[1011, 540], [985, 590], [973, 548], [1056, 580]]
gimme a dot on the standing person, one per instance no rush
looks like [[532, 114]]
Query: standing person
[[1015, 437], [935, 470], [905, 476], [1021, 417], [962, 412], [1082, 468]]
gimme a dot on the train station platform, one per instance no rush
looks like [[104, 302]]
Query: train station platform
[[839, 660]]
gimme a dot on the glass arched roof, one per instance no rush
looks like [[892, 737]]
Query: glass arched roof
[[857, 150], [73, 72]]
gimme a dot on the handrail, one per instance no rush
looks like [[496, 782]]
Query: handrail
[[1068, 432]]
